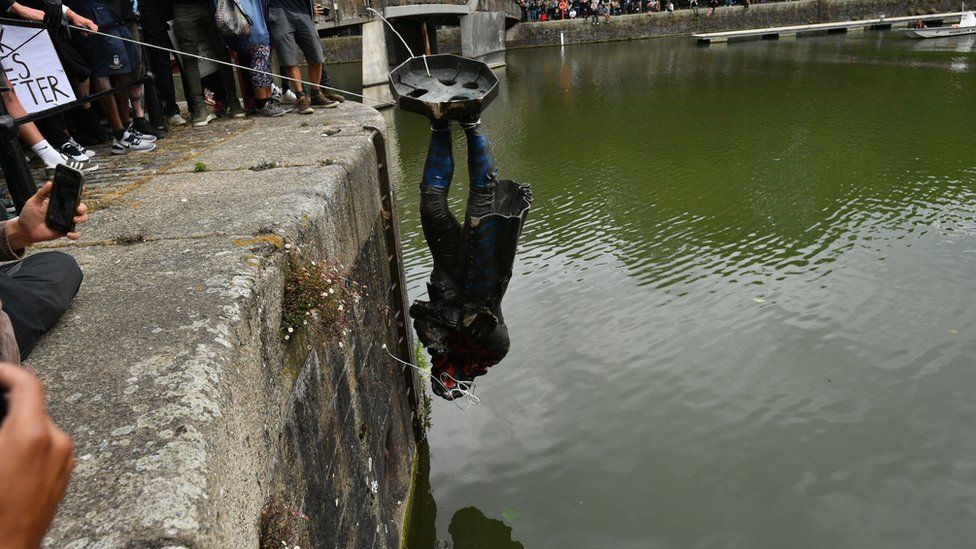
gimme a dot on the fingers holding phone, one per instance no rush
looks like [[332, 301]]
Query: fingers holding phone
[[64, 198]]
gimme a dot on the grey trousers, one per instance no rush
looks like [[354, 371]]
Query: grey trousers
[[193, 26]]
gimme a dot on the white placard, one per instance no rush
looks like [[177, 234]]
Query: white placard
[[33, 69]]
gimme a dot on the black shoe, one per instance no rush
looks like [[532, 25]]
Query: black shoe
[[141, 125], [89, 132]]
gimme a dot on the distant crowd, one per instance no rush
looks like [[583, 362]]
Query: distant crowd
[[597, 11]]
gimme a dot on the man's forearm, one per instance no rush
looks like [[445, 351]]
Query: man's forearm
[[25, 12]]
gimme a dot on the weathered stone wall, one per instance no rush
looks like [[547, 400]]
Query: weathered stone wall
[[631, 27], [195, 423], [343, 49]]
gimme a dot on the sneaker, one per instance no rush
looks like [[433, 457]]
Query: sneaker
[[236, 110], [275, 92], [142, 126], [73, 152], [134, 143], [88, 152], [303, 105], [320, 100], [271, 109], [176, 120], [203, 117], [289, 98], [337, 97], [131, 130], [119, 146]]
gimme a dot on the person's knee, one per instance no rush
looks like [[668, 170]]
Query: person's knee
[[66, 274]]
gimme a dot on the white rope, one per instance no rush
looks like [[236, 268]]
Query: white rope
[[405, 45], [234, 65], [465, 388]]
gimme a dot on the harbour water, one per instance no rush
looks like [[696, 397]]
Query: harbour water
[[744, 308]]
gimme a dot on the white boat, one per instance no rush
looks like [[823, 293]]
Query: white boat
[[967, 25]]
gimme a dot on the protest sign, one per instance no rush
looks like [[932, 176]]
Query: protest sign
[[31, 65]]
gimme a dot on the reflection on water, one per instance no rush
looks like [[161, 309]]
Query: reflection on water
[[743, 310], [469, 527]]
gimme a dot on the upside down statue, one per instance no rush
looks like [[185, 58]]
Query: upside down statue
[[462, 324]]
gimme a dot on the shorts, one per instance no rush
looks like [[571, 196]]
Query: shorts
[[105, 56], [294, 33], [73, 62]]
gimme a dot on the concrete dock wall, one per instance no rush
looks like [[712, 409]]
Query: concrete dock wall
[[639, 26], [196, 424]]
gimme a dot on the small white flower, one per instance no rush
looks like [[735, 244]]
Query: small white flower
[[305, 322], [324, 294], [331, 290], [290, 329], [287, 247], [287, 338], [341, 345]]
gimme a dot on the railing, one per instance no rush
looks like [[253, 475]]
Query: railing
[[17, 173]]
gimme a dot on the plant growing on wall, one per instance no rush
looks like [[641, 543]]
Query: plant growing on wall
[[318, 296]]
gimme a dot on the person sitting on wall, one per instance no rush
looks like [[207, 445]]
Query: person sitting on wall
[[919, 24], [35, 291]]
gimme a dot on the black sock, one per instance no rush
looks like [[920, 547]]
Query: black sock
[[119, 134], [260, 103]]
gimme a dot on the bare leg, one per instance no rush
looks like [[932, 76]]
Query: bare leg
[[109, 105], [29, 134], [314, 74], [296, 74]]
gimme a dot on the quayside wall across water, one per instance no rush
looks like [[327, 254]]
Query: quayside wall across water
[[686, 22], [345, 49]]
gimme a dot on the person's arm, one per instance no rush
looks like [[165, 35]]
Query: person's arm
[[35, 461], [29, 228], [25, 12], [79, 21]]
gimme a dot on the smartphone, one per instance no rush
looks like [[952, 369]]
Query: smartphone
[[65, 196]]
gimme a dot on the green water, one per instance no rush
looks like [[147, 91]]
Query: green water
[[744, 308]]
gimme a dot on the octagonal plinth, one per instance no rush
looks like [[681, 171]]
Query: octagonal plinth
[[457, 87]]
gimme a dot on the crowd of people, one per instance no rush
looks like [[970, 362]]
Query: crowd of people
[[598, 11], [99, 53]]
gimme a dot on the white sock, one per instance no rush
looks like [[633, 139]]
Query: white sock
[[47, 153]]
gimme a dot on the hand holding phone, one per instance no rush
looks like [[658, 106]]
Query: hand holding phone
[[65, 196]]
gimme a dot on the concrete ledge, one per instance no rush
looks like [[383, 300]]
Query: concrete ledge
[[188, 411]]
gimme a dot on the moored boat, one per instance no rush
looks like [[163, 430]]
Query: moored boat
[[967, 25]]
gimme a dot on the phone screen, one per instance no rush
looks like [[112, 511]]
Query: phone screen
[[64, 198]]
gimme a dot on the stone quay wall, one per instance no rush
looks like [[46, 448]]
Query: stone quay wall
[[196, 424], [348, 49], [685, 22]]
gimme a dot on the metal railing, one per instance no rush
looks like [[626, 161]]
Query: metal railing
[[16, 171]]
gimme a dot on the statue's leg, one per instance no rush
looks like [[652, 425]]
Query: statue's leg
[[481, 169], [441, 229]]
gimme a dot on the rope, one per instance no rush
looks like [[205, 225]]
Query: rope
[[405, 45], [465, 388], [226, 63]]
